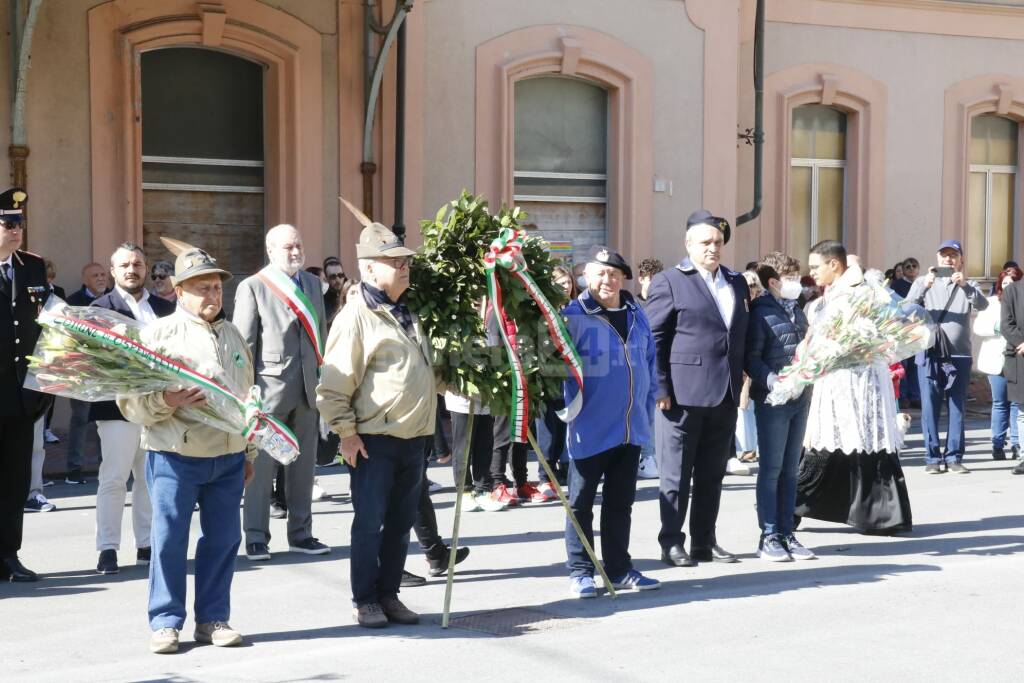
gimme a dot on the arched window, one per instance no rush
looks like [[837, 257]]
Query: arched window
[[561, 159], [817, 179], [991, 194]]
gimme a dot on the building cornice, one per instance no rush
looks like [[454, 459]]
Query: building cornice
[[935, 17]]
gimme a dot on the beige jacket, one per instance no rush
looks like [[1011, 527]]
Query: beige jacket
[[207, 348], [375, 379]]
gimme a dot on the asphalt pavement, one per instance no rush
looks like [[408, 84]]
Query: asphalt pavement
[[942, 603]]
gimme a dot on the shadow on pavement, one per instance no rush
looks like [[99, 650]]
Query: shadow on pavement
[[672, 593]]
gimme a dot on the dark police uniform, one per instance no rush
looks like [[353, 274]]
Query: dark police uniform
[[23, 289]]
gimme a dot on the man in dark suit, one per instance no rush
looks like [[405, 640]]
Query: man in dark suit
[[698, 313], [119, 439], [94, 285], [23, 289]]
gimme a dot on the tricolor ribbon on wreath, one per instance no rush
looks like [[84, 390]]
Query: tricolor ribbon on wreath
[[506, 252], [286, 289]]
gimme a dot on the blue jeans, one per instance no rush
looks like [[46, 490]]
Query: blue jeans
[[176, 484], [1004, 413], [932, 400], [780, 437], [385, 496], [618, 467]]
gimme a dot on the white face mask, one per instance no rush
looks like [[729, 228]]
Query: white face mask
[[582, 282], [790, 289]]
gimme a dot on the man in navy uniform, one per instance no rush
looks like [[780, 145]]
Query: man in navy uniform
[[698, 315], [23, 289]]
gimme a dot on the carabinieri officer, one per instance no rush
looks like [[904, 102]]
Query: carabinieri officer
[[23, 290]]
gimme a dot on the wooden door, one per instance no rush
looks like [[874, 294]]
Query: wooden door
[[202, 157]]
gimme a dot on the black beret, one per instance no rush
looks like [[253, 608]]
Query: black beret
[[704, 217], [604, 256]]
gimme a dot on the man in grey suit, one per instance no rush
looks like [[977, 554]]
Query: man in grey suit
[[280, 312]]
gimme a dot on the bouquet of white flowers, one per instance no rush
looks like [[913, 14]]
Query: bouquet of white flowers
[[856, 327], [94, 354]]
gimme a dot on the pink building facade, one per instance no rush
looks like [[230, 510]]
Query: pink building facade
[[888, 124]]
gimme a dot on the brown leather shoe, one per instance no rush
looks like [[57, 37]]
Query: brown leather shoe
[[369, 616], [398, 613]]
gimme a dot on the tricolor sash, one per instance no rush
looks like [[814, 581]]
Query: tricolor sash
[[285, 289]]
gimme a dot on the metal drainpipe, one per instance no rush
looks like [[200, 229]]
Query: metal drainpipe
[[399, 226], [368, 168], [758, 114]]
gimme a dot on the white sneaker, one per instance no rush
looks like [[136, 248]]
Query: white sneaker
[[487, 503], [318, 491], [50, 437], [470, 503], [217, 633], [163, 641], [734, 466], [648, 468]]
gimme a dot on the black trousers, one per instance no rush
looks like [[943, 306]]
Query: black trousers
[[480, 450], [441, 447], [505, 450], [386, 489], [16, 435], [695, 444], [617, 466], [425, 524]]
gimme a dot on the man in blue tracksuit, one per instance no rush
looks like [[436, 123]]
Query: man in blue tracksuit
[[614, 341]]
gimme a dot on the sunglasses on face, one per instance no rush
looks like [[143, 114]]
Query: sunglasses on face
[[159, 276], [336, 276]]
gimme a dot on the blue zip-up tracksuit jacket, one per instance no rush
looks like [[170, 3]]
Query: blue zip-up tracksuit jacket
[[618, 378]]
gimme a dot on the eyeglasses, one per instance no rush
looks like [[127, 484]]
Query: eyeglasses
[[396, 262], [159, 276], [11, 225], [336, 276]]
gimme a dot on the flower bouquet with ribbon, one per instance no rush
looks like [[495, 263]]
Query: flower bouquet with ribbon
[[94, 354], [858, 326]]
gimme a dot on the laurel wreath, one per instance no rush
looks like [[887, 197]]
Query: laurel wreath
[[446, 290]]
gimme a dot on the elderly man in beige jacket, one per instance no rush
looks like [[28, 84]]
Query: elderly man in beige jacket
[[378, 392], [189, 462]]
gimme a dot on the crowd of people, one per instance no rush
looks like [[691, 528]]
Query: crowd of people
[[675, 387]]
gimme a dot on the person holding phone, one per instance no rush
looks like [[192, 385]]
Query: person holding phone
[[944, 371]]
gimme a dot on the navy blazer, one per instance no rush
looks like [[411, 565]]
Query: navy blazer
[[113, 301], [699, 359]]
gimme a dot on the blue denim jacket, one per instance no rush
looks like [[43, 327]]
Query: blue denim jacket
[[618, 378]]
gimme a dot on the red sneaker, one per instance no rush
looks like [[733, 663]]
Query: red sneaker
[[529, 492], [547, 492], [502, 494]]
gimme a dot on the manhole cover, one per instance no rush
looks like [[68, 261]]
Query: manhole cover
[[514, 621]]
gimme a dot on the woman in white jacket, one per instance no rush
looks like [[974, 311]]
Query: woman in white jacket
[[990, 361]]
